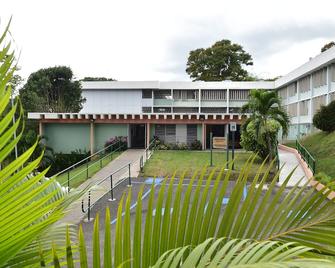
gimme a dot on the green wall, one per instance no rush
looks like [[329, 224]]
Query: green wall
[[67, 137], [199, 132], [104, 132], [152, 131]]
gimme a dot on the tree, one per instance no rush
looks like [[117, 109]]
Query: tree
[[260, 130], [324, 119], [52, 90], [222, 61], [98, 79], [327, 46]]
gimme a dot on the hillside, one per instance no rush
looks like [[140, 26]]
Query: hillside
[[322, 146]]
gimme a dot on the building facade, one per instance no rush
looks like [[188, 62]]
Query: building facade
[[182, 112]]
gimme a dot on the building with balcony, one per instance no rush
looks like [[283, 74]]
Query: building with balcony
[[182, 112]]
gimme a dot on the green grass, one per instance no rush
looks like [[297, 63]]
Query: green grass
[[80, 174], [165, 163], [322, 147]]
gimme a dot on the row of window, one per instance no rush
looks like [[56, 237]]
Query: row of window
[[215, 94], [205, 110], [168, 133]]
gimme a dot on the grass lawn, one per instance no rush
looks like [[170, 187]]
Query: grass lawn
[[322, 147], [80, 174], [165, 163]]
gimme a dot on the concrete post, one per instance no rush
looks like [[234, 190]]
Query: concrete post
[[40, 128], [148, 135], [92, 137], [203, 136]]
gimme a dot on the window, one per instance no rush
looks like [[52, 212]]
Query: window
[[214, 110], [292, 109], [304, 84], [162, 94], [332, 72], [292, 89], [320, 78], [304, 107], [238, 94], [214, 94], [146, 109], [146, 93], [162, 109], [318, 102], [185, 109], [166, 133], [185, 94], [282, 93], [234, 110], [191, 134]]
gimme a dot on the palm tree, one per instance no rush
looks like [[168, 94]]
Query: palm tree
[[266, 110]]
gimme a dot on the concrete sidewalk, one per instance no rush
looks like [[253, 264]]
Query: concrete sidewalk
[[290, 161], [75, 214]]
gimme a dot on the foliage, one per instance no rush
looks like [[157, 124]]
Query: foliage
[[29, 202], [324, 119], [176, 219], [327, 46], [196, 145], [222, 61], [250, 141], [117, 141], [325, 179], [52, 90], [241, 253], [62, 161], [266, 115], [98, 79], [322, 146]]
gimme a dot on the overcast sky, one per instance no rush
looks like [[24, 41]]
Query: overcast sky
[[150, 40]]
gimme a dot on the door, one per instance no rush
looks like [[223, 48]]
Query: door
[[137, 135]]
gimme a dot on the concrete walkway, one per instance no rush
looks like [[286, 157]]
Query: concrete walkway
[[75, 214], [290, 161]]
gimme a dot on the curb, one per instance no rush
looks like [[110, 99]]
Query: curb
[[308, 173]]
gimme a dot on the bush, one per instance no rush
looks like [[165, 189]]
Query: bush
[[250, 142], [324, 179], [63, 161], [196, 145], [117, 141], [324, 119]]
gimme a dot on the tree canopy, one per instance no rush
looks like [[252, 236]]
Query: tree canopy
[[327, 46], [52, 90], [222, 61]]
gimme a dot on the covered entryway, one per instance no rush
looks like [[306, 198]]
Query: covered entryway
[[137, 135], [218, 131]]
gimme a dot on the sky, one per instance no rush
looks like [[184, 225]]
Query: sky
[[151, 39]]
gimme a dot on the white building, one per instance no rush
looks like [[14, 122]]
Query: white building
[[184, 111]]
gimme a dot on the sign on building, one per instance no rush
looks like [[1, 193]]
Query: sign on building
[[219, 143], [233, 127]]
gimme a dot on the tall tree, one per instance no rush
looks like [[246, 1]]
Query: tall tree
[[327, 46], [260, 130], [52, 90], [222, 61]]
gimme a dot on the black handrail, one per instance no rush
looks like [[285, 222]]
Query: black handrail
[[112, 186], [306, 156]]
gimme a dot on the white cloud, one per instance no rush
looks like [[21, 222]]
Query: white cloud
[[150, 40]]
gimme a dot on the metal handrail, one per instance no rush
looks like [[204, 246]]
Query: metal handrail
[[112, 187], [69, 179], [306, 156], [88, 157]]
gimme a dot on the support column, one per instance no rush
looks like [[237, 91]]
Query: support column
[[92, 137], [40, 128], [148, 135], [203, 136]]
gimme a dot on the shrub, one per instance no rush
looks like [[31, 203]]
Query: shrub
[[117, 141], [63, 161], [196, 145], [324, 119], [324, 179]]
